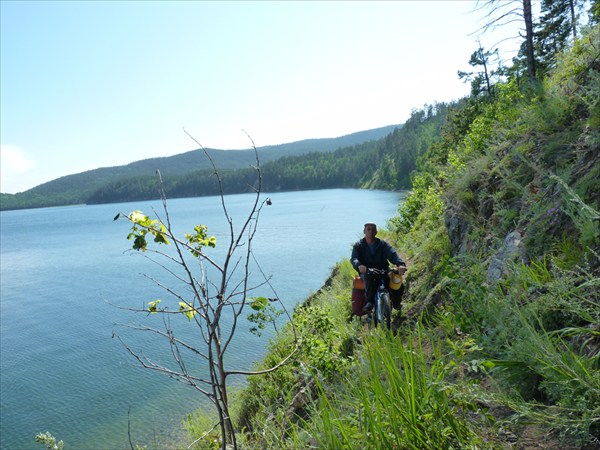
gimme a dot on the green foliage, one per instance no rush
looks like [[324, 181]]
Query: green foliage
[[585, 218], [152, 306], [396, 398], [567, 252], [425, 245], [200, 239], [201, 425], [525, 162], [566, 378], [187, 310], [539, 329], [259, 303], [142, 225], [576, 79], [482, 80], [423, 195], [319, 340], [269, 405], [265, 314], [553, 32], [49, 441]]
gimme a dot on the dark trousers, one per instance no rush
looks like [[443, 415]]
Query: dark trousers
[[372, 284]]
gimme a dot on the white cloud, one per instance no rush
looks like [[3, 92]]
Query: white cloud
[[14, 164]]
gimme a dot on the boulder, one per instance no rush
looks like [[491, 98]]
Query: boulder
[[510, 250]]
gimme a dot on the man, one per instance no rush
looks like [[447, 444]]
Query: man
[[372, 252]]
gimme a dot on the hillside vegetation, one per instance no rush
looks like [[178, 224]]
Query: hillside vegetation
[[497, 344], [384, 163], [186, 175]]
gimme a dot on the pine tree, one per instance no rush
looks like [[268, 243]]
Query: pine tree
[[555, 31]]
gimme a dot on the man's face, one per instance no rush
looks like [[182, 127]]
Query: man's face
[[370, 231]]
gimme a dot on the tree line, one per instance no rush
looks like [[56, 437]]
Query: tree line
[[81, 187], [382, 164]]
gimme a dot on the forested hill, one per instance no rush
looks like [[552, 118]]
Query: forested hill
[[81, 188], [384, 164]]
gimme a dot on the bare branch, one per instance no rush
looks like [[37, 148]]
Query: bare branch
[[167, 335], [148, 363], [203, 436], [219, 181], [129, 428], [271, 369], [267, 280]]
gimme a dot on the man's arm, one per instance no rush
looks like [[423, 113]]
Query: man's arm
[[394, 257], [355, 258]]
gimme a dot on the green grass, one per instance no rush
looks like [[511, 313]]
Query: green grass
[[398, 396]]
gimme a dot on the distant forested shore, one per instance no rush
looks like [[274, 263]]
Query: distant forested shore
[[376, 159]]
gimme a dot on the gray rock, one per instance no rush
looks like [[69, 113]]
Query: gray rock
[[457, 229], [510, 250]]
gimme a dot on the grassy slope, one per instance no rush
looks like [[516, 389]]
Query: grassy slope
[[496, 347]]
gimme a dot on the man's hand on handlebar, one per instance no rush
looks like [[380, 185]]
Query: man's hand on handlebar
[[401, 269], [362, 269]]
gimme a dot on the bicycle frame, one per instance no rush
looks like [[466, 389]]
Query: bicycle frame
[[382, 308]]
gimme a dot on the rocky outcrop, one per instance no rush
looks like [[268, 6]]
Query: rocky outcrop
[[458, 230], [510, 251]]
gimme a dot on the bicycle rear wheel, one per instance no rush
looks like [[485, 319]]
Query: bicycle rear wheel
[[383, 314]]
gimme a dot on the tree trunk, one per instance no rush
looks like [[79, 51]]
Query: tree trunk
[[573, 19], [488, 83], [529, 39]]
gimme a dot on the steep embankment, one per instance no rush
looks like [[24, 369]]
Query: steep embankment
[[498, 341]]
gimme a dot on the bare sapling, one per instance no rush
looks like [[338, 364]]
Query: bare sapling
[[212, 292]]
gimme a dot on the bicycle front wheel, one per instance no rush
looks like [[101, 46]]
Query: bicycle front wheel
[[384, 310]]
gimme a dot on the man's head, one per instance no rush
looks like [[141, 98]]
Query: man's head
[[370, 230]]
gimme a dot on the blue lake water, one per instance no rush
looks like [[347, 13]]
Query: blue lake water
[[63, 270]]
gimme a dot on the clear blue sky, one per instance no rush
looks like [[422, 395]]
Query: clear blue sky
[[94, 84]]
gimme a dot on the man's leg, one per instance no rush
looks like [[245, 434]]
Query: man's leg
[[370, 290]]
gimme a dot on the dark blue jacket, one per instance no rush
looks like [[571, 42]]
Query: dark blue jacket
[[380, 259]]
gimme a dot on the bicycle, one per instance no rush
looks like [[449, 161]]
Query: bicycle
[[382, 304]]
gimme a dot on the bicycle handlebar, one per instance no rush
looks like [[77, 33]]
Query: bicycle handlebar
[[375, 271]]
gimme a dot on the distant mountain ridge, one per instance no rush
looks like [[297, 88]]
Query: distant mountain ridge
[[194, 160], [71, 189]]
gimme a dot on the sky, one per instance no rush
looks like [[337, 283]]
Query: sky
[[89, 84]]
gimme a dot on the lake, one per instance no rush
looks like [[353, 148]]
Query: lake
[[65, 270]]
